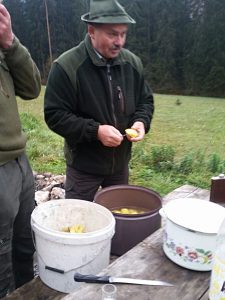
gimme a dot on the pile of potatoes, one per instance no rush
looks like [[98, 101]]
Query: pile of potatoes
[[128, 211]]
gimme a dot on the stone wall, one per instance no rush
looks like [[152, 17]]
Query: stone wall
[[49, 186]]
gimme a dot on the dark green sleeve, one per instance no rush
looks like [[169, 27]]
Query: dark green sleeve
[[145, 107], [145, 100], [25, 74], [61, 109]]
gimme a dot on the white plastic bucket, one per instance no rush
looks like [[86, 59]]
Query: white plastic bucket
[[60, 254]]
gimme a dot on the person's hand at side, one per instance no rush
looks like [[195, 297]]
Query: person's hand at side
[[6, 34], [140, 128], [109, 136]]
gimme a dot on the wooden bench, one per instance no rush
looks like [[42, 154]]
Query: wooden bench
[[145, 261]]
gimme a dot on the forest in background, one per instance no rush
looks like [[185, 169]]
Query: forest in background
[[181, 42]]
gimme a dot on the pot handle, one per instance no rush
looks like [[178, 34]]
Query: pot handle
[[162, 213]]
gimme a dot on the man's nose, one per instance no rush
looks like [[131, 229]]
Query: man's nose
[[119, 41]]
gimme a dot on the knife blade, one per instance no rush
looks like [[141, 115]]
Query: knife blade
[[109, 279]]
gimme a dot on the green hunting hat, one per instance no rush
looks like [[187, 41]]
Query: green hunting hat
[[106, 12]]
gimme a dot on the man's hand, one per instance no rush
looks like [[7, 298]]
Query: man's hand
[[140, 128], [109, 136], [6, 34]]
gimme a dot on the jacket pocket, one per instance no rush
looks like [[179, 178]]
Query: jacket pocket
[[120, 99], [126, 102]]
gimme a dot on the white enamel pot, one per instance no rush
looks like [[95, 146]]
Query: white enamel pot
[[190, 232]]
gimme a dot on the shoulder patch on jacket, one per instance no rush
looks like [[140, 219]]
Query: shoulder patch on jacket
[[133, 59], [72, 59]]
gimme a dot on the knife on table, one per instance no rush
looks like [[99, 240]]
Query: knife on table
[[109, 279]]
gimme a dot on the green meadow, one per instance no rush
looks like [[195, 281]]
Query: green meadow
[[184, 146]]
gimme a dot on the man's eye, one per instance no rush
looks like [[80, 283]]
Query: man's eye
[[112, 34]]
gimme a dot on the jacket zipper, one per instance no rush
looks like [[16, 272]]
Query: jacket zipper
[[111, 93], [112, 106]]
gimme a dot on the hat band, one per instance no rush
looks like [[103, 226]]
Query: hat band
[[107, 15]]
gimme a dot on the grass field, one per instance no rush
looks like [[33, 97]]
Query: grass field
[[185, 145], [197, 123]]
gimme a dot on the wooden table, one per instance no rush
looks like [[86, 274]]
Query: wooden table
[[145, 261]]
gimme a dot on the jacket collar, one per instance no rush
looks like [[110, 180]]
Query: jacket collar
[[97, 58]]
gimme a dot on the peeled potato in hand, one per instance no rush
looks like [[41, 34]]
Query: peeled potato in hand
[[131, 132]]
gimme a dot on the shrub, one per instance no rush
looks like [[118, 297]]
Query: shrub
[[162, 157], [214, 163], [186, 164]]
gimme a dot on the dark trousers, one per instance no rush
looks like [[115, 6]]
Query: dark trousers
[[81, 185], [16, 206]]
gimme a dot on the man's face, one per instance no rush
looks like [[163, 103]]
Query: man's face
[[108, 39]]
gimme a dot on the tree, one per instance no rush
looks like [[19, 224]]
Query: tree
[[181, 42]]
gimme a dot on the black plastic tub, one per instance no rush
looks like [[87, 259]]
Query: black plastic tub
[[131, 229]]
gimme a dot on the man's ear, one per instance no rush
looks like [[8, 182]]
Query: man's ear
[[91, 31]]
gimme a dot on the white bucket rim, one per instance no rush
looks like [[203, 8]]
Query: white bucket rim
[[75, 237]]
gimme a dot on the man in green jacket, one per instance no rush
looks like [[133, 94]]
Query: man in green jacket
[[18, 76], [94, 92]]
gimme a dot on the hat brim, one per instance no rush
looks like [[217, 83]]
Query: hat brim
[[123, 19]]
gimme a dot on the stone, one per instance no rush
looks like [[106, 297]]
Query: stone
[[41, 196], [57, 193]]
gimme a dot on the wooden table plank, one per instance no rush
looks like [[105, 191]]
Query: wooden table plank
[[187, 191], [206, 295], [35, 290]]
